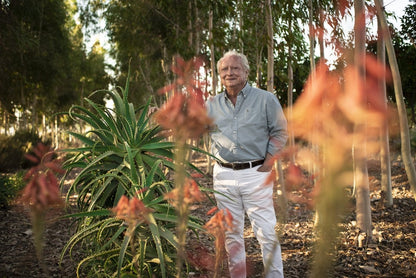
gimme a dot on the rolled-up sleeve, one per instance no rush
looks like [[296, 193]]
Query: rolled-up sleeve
[[277, 125]]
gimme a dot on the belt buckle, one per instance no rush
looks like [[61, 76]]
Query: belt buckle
[[240, 165]]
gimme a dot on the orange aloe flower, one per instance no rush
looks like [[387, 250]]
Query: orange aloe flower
[[191, 193], [132, 211], [42, 189], [186, 72], [184, 112], [219, 223], [217, 226]]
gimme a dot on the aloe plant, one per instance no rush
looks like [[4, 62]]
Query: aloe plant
[[123, 153]]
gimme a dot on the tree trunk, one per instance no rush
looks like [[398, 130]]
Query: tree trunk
[[281, 197], [240, 25], [401, 107], [312, 166], [363, 206], [207, 141], [190, 29], [212, 50], [311, 38], [270, 57], [197, 30], [321, 36], [290, 86], [384, 132]]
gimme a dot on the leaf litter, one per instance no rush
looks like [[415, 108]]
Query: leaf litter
[[391, 253]]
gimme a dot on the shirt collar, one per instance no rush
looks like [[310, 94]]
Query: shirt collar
[[245, 91]]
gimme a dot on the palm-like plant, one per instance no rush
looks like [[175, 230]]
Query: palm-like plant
[[122, 154]]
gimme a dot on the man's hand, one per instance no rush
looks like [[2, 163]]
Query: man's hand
[[267, 164]]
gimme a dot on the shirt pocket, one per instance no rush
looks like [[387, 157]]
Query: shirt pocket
[[254, 117]]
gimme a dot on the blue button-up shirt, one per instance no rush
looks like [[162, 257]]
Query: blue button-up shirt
[[249, 130]]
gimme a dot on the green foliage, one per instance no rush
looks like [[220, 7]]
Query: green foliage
[[408, 23], [13, 149], [46, 68], [123, 153], [10, 185]]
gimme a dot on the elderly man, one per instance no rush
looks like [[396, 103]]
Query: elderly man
[[249, 128]]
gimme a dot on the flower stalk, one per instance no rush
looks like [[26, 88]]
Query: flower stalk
[[185, 116], [41, 192], [338, 108], [221, 222]]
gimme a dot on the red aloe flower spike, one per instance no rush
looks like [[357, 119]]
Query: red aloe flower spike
[[294, 177], [191, 193], [42, 189], [132, 211], [55, 167], [184, 113], [219, 223], [32, 158], [121, 209], [211, 211]]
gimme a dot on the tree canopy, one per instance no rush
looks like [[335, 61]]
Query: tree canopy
[[43, 61], [45, 66]]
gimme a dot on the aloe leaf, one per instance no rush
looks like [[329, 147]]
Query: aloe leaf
[[101, 212], [114, 237], [158, 243], [132, 164], [123, 249]]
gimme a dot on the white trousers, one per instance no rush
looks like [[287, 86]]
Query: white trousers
[[244, 191]]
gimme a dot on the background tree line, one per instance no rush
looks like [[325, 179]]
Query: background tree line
[[45, 66]]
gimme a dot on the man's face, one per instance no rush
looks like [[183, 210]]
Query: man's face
[[232, 73]]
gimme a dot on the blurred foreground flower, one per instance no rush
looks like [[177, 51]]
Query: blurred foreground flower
[[132, 211], [217, 226], [42, 189], [191, 194], [41, 192], [200, 257], [336, 113], [186, 79], [184, 112], [185, 116]]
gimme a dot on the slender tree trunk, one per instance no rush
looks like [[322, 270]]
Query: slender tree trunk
[[315, 149], [6, 122], [384, 132], [43, 128], [212, 50], [240, 25], [363, 206], [270, 47], [311, 38], [197, 30], [290, 85], [321, 36], [281, 197], [190, 29], [401, 107], [207, 141], [34, 119]]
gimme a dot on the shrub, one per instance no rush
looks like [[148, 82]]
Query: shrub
[[13, 149], [122, 154], [10, 185]]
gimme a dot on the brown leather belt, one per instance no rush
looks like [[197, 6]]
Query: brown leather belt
[[241, 165]]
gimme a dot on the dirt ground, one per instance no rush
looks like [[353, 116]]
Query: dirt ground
[[391, 253]]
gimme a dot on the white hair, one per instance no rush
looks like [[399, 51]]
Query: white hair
[[241, 56]]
